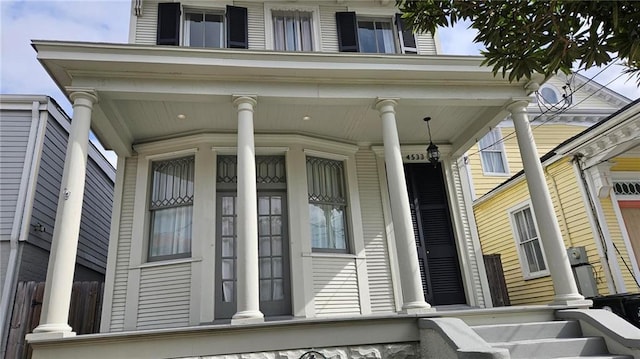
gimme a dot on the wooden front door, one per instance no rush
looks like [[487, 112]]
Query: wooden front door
[[435, 240]]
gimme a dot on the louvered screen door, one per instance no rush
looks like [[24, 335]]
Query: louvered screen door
[[435, 242]]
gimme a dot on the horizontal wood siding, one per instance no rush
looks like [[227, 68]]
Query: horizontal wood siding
[[147, 24], [626, 164], [255, 20], [547, 137], [97, 201], [14, 135], [123, 251], [496, 237], [328, 27], [335, 286], [426, 44], [164, 296], [375, 241], [496, 234]]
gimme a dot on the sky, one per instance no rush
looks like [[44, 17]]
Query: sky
[[108, 21]]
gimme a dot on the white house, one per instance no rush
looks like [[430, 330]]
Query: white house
[[274, 193]]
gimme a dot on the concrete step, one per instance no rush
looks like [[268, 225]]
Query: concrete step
[[612, 356], [528, 331], [554, 347]]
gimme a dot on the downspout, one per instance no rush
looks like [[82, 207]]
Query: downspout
[[556, 193], [21, 220], [595, 220]]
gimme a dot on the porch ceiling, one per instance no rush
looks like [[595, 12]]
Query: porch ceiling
[[143, 89]]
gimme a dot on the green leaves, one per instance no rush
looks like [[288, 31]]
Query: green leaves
[[522, 37]]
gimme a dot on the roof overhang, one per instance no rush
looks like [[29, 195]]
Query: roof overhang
[[141, 90]]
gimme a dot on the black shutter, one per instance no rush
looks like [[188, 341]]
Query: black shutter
[[237, 28], [407, 39], [168, 24], [347, 31]]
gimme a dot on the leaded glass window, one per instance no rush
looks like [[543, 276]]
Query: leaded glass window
[[269, 170], [327, 204], [529, 244], [171, 207]]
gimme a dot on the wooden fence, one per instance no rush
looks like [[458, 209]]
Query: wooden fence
[[497, 283], [84, 313]]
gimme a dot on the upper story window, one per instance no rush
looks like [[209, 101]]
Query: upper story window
[[492, 155], [532, 257], [359, 33], [203, 29], [327, 204], [292, 31], [171, 207], [211, 28]]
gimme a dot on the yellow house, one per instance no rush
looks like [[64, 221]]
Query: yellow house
[[594, 182]]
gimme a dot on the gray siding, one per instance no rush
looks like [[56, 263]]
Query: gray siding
[[5, 249], [14, 135], [123, 252], [96, 212]]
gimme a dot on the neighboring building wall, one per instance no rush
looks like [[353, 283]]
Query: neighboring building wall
[[497, 235]]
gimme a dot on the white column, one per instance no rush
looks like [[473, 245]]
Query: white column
[[566, 291], [64, 245], [411, 282], [248, 294]]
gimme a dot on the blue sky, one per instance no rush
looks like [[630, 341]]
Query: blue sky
[[108, 21]]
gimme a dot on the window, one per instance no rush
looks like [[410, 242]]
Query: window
[[210, 28], [492, 155], [548, 95], [327, 204], [171, 206], [292, 31], [203, 29], [529, 246], [374, 34]]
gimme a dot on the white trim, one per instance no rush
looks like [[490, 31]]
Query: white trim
[[625, 236], [514, 230], [327, 155], [112, 254], [168, 263], [170, 155], [291, 7], [375, 12], [213, 8]]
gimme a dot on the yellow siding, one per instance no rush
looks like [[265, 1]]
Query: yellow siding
[[496, 234], [547, 137], [626, 164]]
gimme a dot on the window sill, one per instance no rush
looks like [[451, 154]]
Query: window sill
[[496, 174], [536, 275], [168, 262], [332, 255]]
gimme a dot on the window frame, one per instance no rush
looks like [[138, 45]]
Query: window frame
[[502, 151], [522, 256], [390, 14], [269, 9], [380, 19], [217, 11], [348, 225], [150, 211]]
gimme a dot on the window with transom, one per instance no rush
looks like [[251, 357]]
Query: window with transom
[[171, 207]]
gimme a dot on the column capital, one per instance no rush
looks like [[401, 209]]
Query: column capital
[[386, 104], [239, 100], [518, 105], [82, 93]]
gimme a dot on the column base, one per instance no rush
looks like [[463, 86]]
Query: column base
[[46, 334], [248, 317], [575, 301], [417, 308]]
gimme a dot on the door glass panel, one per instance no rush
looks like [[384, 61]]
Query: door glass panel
[[227, 226], [263, 229], [265, 268], [227, 247], [276, 205], [278, 289], [265, 290], [277, 267], [228, 268], [263, 205], [227, 291], [276, 245], [276, 225], [227, 206], [264, 248]]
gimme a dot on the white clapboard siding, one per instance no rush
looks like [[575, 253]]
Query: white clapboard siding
[[426, 44], [335, 286], [328, 29], [14, 135], [255, 20], [469, 250], [375, 241], [164, 296], [146, 26], [124, 246]]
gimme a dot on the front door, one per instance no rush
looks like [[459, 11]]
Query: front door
[[435, 241], [273, 256]]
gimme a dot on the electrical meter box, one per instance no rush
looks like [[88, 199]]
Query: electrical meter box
[[577, 256]]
